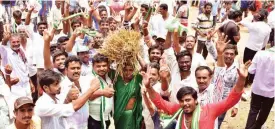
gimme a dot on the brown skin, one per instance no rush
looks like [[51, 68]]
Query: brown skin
[[23, 116], [207, 10], [104, 28], [155, 55], [143, 11], [73, 71], [53, 90], [185, 63], [188, 104], [15, 43], [59, 62], [103, 14], [128, 76], [84, 57], [41, 29], [203, 79], [155, 76], [76, 25], [101, 69], [229, 56], [189, 44]]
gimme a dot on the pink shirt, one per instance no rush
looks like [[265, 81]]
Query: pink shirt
[[209, 112]]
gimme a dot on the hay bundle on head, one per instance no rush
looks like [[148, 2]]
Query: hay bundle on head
[[122, 47]]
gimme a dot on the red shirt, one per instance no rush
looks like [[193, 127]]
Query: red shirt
[[209, 112]]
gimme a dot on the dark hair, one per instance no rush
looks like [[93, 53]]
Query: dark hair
[[75, 22], [17, 14], [203, 68], [42, 23], [111, 19], [72, 59], [104, 20], [62, 39], [235, 14], [187, 91], [208, 4], [102, 11], [230, 46], [145, 6], [227, 2], [183, 1], [156, 46], [48, 77], [163, 6], [58, 53], [184, 53], [100, 58], [192, 37], [262, 15], [101, 7], [155, 65]]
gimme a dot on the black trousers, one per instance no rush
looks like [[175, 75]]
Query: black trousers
[[259, 110], [248, 55], [201, 48], [94, 124], [1, 31]]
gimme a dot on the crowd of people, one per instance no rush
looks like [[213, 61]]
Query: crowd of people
[[55, 73]]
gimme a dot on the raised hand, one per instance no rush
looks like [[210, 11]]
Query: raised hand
[[8, 69], [48, 36], [221, 44], [164, 71], [243, 70], [146, 77], [73, 93]]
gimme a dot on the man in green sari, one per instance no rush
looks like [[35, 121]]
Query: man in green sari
[[127, 104]]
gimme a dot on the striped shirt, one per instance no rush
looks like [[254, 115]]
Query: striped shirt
[[204, 24]]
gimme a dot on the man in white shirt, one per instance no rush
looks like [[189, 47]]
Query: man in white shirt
[[15, 56], [56, 62], [103, 98], [83, 54], [181, 74], [53, 115], [75, 82], [38, 44], [159, 21], [197, 58], [259, 32], [262, 88]]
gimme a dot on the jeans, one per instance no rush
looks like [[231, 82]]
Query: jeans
[[94, 124], [259, 110]]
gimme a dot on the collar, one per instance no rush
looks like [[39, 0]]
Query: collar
[[233, 66], [46, 96], [229, 20]]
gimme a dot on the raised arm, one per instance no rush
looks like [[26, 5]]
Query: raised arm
[[168, 40], [28, 17], [71, 42], [129, 13], [220, 46], [176, 44], [235, 94], [166, 106], [47, 54]]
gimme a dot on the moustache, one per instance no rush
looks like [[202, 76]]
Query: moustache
[[78, 73]]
